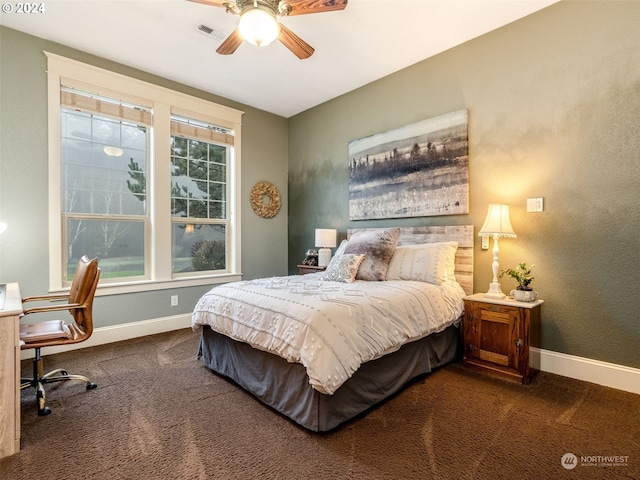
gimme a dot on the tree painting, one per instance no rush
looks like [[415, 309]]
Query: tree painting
[[417, 170]]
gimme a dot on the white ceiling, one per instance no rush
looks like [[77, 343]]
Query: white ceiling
[[368, 40]]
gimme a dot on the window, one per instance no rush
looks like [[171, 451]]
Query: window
[[199, 195], [105, 158], [143, 177]]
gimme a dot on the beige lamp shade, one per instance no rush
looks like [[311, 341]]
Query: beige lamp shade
[[326, 237], [498, 222]]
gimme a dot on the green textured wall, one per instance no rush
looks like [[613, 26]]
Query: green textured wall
[[554, 112], [24, 189]]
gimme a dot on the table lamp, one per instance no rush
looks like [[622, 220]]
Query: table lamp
[[325, 240], [497, 224]]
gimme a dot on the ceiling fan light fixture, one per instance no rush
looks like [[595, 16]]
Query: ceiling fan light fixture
[[259, 27]]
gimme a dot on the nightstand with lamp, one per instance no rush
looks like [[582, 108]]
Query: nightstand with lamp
[[317, 261], [497, 329]]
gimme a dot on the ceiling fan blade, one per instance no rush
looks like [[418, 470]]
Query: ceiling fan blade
[[293, 42], [214, 3], [231, 43], [303, 7]]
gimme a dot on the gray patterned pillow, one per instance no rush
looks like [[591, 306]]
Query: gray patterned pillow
[[377, 246], [343, 268]]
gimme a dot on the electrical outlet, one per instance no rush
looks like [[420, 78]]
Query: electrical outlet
[[535, 204], [485, 242], [174, 300]]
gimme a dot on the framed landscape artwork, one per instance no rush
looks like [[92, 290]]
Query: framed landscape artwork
[[417, 170]]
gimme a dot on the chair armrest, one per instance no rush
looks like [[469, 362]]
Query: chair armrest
[[51, 308], [50, 297]]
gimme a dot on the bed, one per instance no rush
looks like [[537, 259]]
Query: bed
[[322, 348]]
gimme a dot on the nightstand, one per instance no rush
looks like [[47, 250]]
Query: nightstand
[[304, 269], [498, 334]]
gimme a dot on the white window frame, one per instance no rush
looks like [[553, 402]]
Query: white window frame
[[71, 73], [202, 134]]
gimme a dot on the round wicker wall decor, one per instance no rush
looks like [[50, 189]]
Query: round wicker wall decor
[[265, 199]]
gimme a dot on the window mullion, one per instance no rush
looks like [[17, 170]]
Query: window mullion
[[56, 257], [161, 193]]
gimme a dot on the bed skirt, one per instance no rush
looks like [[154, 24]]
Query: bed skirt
[[285, 386]]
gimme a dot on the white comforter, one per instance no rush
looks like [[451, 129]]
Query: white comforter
[[331, 328]]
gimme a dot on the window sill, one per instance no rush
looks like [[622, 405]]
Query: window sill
[[152, 285]]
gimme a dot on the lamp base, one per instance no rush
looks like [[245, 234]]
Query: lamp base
[[495, 291], [324, 257]]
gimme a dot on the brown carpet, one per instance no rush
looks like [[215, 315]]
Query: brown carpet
[[159, 414]]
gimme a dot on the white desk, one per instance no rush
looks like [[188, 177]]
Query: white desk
[[10, 370]]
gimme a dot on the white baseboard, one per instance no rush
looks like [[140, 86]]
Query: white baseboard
[[117, 333], [586, 369]]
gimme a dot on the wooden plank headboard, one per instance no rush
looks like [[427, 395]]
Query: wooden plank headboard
[[463, 234]]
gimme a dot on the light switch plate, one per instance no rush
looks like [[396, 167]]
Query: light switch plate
[[485, 242], [535, 204]]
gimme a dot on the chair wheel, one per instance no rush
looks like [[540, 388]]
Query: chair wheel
[[44, 411], [91, 386], [41, 399]]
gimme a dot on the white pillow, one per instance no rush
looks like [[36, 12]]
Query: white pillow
[[428, 262], [451, 261], [343, 268], [341, 247]]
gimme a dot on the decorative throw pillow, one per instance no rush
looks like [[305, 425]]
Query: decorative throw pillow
[[343, 268], [377, 246], [429, 262]]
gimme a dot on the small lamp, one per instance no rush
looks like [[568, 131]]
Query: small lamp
[[325, 240], [497, 224]]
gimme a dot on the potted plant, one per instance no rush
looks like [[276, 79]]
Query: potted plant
[[522, 275]]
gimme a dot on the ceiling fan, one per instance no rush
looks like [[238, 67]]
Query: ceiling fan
[[259, 22]]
